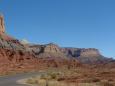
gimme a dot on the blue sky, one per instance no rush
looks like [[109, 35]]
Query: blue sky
[[69, 23]]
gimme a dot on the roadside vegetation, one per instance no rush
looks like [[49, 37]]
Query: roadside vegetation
[[74, 77]]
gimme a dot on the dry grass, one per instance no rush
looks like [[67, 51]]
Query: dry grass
[[75, 77]]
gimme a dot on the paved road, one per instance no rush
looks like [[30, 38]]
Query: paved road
[[11, 80]]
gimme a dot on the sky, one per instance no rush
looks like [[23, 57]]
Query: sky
[[68, 23]]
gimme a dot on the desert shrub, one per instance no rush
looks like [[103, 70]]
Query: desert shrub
[[53, 76], [32, 81], [42, 82], [43, 76]]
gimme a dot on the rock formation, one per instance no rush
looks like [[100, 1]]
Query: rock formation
[[49, 50], [89, 55], [2, 27], [77, 52]]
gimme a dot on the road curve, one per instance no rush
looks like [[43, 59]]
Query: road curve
[[11, 80]]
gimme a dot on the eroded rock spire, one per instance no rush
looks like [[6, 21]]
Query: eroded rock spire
[[2, 27]]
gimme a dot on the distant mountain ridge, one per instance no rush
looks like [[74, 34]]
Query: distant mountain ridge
[[84, 55]]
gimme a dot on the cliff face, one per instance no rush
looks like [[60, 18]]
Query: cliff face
[[68, 52], [77, 52], [2, 27], [90, 52], [49, 50], [90, 55]]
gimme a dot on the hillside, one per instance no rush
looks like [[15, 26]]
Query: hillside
[[19, 56]]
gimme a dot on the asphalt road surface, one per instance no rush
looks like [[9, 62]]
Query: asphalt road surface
[[11, 80]]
